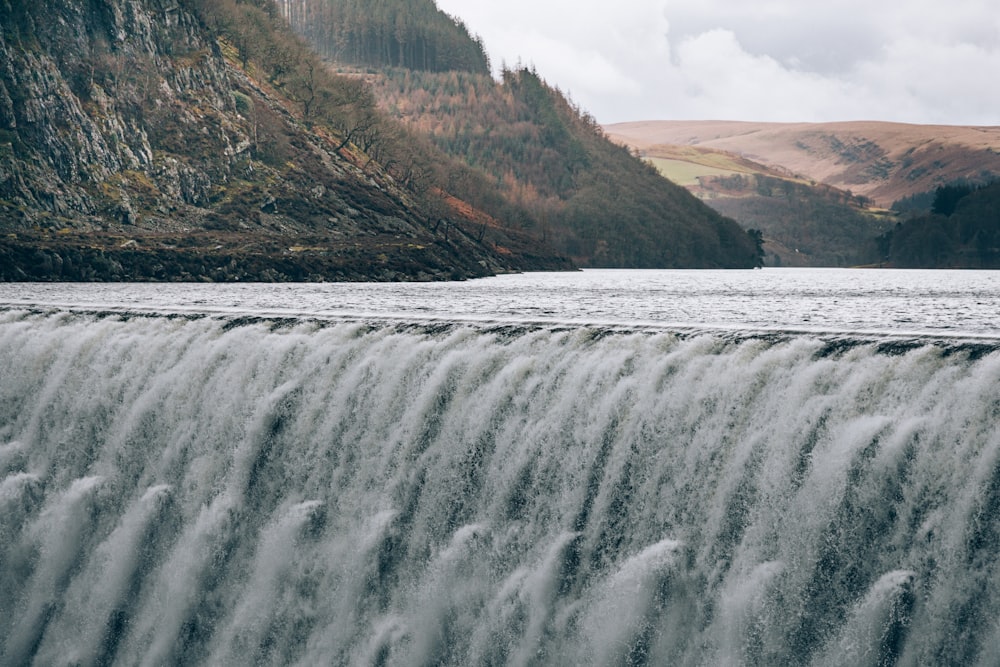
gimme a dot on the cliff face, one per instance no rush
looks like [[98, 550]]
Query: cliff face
[[72, 107], [132, 147]]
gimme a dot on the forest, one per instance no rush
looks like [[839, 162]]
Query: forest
[[962, 230], [413, 34], [521, 152], [593, 199], [346, 106], [806, 224]]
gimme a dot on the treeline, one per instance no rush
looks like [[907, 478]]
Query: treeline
[[933, 201], [387, 33], [593, 199], [962, 231]]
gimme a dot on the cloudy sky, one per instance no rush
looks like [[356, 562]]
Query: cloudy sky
[[917, 61]]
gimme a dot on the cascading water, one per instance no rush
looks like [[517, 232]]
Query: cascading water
[[210, 490]]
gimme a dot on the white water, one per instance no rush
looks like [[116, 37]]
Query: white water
[[218, 490]]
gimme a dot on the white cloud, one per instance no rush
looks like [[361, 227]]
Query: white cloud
[[727, 82], [919, 61], [936, 82]]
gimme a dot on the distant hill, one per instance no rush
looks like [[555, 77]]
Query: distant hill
[[202, 140], [884, 162], [819, 192], [804, 223]]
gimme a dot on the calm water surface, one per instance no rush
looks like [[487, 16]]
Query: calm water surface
[[937, 303]]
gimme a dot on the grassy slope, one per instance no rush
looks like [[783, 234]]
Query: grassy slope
[[687, 165]]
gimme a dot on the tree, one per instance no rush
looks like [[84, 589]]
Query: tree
[[946, 198], [349, 108], [304, 88], [757, 237]]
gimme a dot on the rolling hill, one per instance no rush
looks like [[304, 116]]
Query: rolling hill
[[819, 192], [884, 162]]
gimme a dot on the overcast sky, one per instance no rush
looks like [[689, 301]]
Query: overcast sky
[[917, 61]]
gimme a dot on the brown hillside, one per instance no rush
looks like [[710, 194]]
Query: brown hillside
[[883, 161]]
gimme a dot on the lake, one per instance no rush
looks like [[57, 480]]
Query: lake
[[938, 303]]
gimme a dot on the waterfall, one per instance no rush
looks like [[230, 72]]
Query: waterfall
[[194, 489]]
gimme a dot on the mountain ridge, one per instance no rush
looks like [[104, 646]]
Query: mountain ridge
[[557, 175]]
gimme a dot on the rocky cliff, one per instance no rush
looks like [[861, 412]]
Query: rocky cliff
[[135, 144]]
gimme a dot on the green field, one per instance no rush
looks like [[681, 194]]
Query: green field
[[687, 173]]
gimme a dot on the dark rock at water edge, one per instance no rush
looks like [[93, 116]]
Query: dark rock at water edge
[[235, 257]]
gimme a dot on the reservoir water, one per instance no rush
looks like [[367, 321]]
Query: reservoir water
[[961, 303], [775, 467]]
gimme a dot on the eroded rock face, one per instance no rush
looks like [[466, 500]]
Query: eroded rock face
[[120, 109], [123, 119]]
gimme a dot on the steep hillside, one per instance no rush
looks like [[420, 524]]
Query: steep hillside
[[560, 178], [593, 199], [151, 139], [885, 162]]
